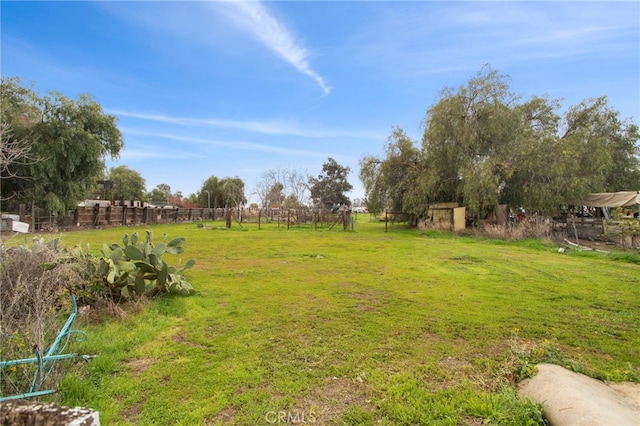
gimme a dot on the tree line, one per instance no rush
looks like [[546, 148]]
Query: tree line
[[53, 152], [482, 145]]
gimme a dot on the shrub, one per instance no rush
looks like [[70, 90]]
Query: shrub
[[34, 306], [623, 228]]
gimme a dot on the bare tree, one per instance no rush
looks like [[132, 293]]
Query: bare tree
[[281, 183], [12, 151], [297, 184]]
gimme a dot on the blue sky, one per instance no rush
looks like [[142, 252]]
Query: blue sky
[[238, 88]]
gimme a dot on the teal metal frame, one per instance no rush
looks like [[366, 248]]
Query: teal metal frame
[[46, 362]]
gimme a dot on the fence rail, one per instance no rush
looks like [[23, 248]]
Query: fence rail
[[106, 216]]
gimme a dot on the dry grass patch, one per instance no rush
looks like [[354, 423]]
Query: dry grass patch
[[137, 367], [329, 401], [225, 416]]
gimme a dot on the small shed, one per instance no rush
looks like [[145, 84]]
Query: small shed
[[449, 215]]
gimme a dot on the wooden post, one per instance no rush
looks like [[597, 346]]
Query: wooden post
[[259, 217], [96, 214], [386, 221]]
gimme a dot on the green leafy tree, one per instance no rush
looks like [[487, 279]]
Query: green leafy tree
[[127, 184], [211, 193], [469, 137], [226, 192], [330, 186], [291, 202], [159, 194], [233, 192], [71, 138], [275, 196], [391, 183], [483, 146]]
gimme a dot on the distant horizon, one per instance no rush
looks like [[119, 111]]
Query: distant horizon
[[232, 89]]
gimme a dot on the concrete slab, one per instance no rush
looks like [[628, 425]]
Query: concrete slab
[[569, 398]]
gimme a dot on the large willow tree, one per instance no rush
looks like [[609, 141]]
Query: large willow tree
[[68, 143], [483, 146]]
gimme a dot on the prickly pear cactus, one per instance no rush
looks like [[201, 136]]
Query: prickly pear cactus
[[137, 268]]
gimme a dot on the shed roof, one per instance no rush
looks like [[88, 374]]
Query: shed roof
[[612, 199]]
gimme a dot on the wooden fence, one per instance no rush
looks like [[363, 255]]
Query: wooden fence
[[106, 216]]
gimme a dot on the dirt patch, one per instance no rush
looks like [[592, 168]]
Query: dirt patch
[[454, 364], [365, 308], [371, 300], [132, 413], [179, 337], [452, 371], [471, 421], [138, 366], [431, 337], [223, 417], [329, 401]]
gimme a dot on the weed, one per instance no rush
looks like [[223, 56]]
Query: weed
[[34, 305], [509, 409], [524, 355]]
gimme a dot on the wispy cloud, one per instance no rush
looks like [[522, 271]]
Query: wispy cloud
[[430, 37], [153, 153], [262, 127], [238, 145], [256, 19]]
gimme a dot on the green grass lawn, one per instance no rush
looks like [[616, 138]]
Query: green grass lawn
[[358, 327]]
